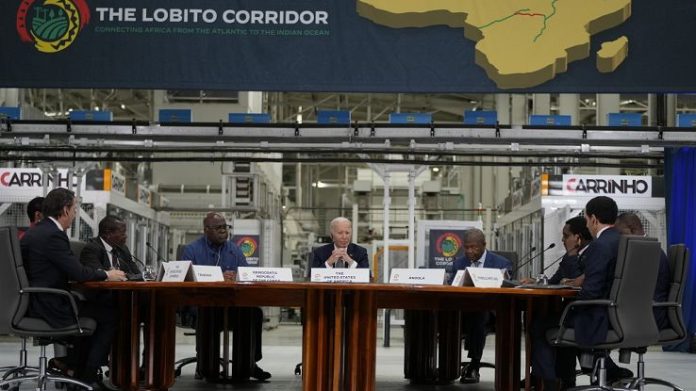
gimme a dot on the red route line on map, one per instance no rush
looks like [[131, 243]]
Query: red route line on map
[[529, 14]]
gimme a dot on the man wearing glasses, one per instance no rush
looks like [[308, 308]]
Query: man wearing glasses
[[215, 249]]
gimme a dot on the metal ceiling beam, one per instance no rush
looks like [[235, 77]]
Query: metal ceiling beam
[[442, 136]]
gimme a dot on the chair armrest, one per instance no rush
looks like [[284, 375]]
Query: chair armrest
[[666, 304], [578, 303], [78, 295], [583, 303], [57, 292]]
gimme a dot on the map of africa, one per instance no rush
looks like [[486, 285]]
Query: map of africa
[[519, 43]]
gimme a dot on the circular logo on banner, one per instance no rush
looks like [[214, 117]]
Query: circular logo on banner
[[448, 244], [51, 25], [248, 245]]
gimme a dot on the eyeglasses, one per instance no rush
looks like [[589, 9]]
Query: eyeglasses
[[221, 227]]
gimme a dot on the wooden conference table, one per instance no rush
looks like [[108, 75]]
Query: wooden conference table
[[339, 331]]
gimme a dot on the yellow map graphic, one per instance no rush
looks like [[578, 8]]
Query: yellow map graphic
[[520, 43], [612, 54]]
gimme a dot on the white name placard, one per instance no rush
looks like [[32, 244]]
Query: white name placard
[[483, 277], [175, 271], [202, 273], [276, 274], [417, 276], [459, 278], [340, 275]]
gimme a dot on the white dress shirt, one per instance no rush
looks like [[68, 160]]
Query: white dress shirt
[[108, 249], [60, 227], [480, 260]]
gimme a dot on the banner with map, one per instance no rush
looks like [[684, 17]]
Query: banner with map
[[350, 45]]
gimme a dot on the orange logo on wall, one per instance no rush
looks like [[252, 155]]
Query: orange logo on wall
[[248, 245], [52, 25], [448, 244]]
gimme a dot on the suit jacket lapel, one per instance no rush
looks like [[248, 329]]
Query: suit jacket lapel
[[486, 259], [104, 254]]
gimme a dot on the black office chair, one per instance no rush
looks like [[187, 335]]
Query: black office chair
[[490, 328], [15, 294], [629, 307], [490, 325], [22, 369], [678, 258], [186, 318], [76, 246]]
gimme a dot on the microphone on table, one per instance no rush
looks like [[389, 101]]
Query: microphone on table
[[115, 260], [159, 257], [129, 276], [509, 283], [145, 274], [543, 279]]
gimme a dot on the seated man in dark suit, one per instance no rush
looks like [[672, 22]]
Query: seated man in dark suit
[[340, 253], [474, 323], [575, 237], [34, 213], [630, 224], [109, 250], [50, 263], [215, 249], [591, 324]]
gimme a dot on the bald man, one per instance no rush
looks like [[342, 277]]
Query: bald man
[[215, 249], [341, 253]]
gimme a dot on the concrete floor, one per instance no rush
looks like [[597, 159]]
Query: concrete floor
[[282, 352]]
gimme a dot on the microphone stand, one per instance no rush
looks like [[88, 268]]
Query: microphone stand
[[514, 283], [528, 256], [528, 261], [159, 257], [145, 273], [542, 279], [508, 281]]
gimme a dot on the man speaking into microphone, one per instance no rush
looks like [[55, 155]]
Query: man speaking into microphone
[[575, 237], [341, 253]]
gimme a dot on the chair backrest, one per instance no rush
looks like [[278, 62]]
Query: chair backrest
[[76, 247], [10, 256], [512, 257], [678, 258], [635, 277]]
